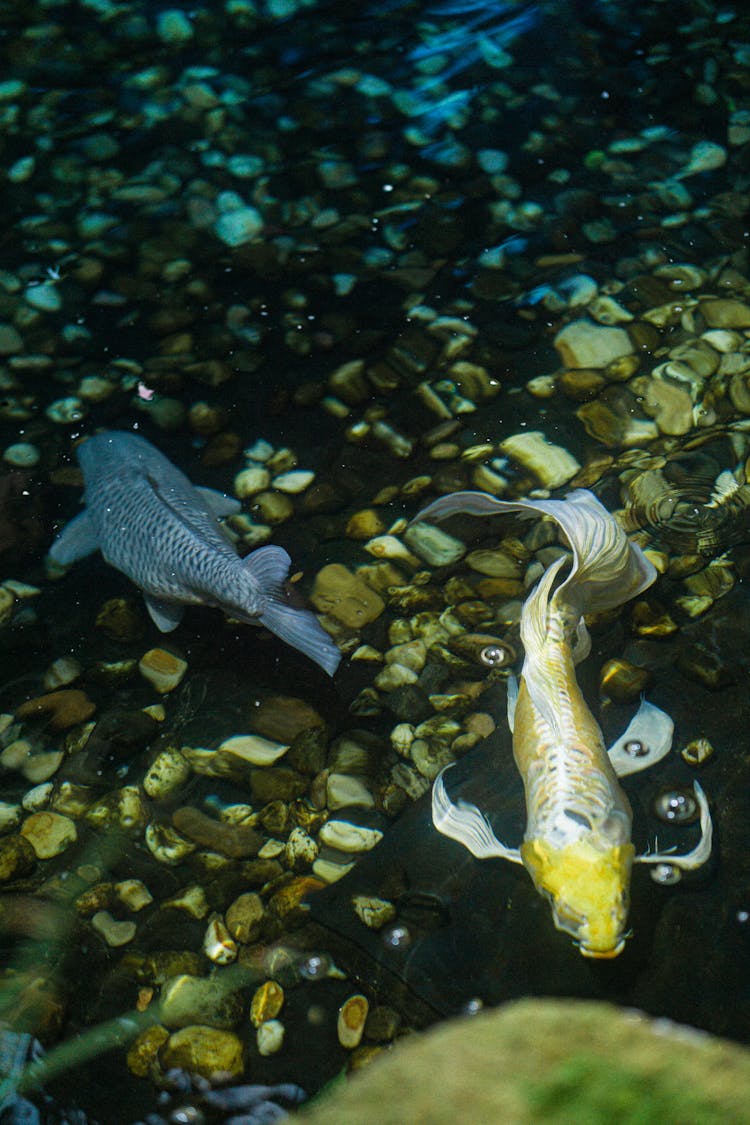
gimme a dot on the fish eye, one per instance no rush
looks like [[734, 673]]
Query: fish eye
[[635, 748]]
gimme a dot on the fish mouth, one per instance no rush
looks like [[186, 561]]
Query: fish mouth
[[602, 954]]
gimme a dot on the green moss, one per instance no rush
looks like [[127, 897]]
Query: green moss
[[592, 1090]]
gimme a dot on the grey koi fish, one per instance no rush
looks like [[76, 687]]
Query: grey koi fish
[[577, 846], [150, 522]]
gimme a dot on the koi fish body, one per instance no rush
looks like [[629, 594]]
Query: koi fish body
[[576, 845]]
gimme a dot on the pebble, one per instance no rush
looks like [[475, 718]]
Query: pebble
[[297, 480], [582, 343], [44, 297], [346, 837], [168, 772], [174, 27], [434, 545], [725, 312], [187, 1000], [218, 944], [22, 455], [373, 912], [207, 1051], [10, 815], [134, 894], [237, 228], [244, 916], [270, 1037], [11, 340], [65, 708], [49, 833], [252, 748], [552, 465], [250, 481], [162, 669], [61, 672], [267, 1002], [17, 858], [344, 789], [350, 1024], [345, 597], [238, 841], [114, 933]]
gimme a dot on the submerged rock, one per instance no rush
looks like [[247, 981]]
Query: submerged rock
[[548, 1060]]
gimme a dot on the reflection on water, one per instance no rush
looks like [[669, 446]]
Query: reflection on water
[[338, 263]]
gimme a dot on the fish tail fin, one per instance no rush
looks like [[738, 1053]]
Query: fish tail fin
[[299, 628], [608, 569]]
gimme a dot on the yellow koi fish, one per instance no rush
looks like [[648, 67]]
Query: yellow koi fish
[[577, 843]]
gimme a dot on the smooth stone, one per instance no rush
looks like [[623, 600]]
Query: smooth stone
[[187, 1000], [17, 858], [343, 789], [252, 748], [236, 228], [44, 297], [552, 465], [296, 480], [345, 596], [207, 1051], [346, 837], [725, 312], [250, 481], [173, 27], [270, 1037], [11, 340], [244, 916], [238, 841], [114, 933], [168, 772], [49, 833], [557, 1060], [162, 669], [433, 545], [582, 343]]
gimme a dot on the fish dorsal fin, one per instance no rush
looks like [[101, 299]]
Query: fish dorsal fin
[[188, 505], [269, 567], [76, 540], [218, 503]]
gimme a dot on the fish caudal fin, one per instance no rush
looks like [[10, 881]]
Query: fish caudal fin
[[300, 628], [608, 570]]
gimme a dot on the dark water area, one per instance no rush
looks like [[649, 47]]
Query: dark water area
[[336, 261]]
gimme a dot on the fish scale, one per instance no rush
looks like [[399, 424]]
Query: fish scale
[[154, 525]]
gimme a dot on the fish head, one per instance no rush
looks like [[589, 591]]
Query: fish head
[[587, 883]]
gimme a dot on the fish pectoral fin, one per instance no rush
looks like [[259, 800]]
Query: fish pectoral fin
[[166, 616], [218, 503], [702, 850], [467, 825], [647, 739], [76, 540]]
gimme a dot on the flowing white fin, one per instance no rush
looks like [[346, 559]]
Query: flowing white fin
[[607, 570], [76, 540], [645, 741], [298, 627], [702, 850], [467, 825]]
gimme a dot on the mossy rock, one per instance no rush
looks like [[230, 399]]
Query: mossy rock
[[546, 1061]]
